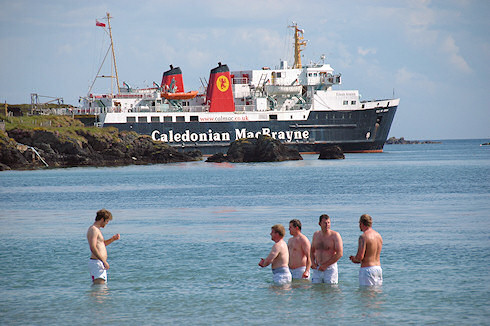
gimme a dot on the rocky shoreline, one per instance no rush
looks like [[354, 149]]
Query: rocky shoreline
[[71, 144], [402, 140]]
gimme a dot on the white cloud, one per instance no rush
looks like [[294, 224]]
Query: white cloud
[[412, 80], [449, 47], [365, 52]]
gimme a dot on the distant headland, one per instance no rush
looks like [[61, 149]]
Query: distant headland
[[402, 140]]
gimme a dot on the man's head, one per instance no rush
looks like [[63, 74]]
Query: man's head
[[323, 217], [277, 232], [324, 222], [294, 227], [365, 220], [104, 216]]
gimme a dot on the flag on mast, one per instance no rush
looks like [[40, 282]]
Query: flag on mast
[[98, 23]]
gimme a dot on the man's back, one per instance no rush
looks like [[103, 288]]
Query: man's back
[[282, 258], [374, 244]]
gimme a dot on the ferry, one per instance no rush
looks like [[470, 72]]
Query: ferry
[[296, 104]]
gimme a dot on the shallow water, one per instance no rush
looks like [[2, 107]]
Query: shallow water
[[193, 233]]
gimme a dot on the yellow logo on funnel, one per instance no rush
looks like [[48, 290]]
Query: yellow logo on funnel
[[222, 83]]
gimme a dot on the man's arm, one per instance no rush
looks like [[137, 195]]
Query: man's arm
[[112, 239], [306, 251], [339, 252], [272, 255], [92, 235], [357, 259], [312, 253]]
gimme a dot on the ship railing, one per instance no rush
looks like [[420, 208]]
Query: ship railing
[[243, 80], [89, 111], [245, 108]]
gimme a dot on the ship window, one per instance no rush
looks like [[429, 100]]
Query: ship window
[[363, 106], [131, 119], [180, 119], [167, 119], [353, 102], [278, 75], [194, 118], [142, 119], [273, 117], [155, 119], [346, 102]]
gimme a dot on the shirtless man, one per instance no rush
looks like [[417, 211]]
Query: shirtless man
[[326, 250], [98, 264], [299, 252], [279, 256], [368, 252]]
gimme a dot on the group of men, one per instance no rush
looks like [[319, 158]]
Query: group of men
[[295, 259], [289, 261]]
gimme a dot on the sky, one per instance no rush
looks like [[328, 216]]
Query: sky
[[433, 55]]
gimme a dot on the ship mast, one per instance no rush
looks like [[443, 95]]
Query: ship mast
[[298, 43], [113, 64], [113, 55]]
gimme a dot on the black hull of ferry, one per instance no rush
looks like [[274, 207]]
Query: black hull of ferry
[[353, 131]]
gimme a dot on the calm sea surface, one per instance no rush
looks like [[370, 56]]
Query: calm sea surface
[[193, 233]]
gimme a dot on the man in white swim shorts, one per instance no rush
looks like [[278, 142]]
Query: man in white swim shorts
[[330, 275], [98, 264], [368, 253], [370, 276], [97, 270], [299, 252], [281, 275], [278, 256], [326, 250]]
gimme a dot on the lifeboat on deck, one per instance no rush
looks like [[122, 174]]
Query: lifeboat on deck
[[179, 95]]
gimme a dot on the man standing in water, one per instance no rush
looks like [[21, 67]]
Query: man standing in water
[[299, 252], [279, 256], [368, 253], [326, 250], [98, 264]]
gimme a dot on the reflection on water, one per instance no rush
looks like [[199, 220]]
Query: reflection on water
[[99, 293], [371, 299]]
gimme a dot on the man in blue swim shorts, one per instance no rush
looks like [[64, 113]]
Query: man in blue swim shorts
[[368, 253], [278, 257]]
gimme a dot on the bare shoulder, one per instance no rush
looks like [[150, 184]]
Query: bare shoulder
[[304, 239], [336, 235], [93, 231]]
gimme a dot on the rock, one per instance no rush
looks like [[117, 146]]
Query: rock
[[11, 157], [83, 147], [261, 149], [331, 153], [196, 154], [217, 158], [402, 140]]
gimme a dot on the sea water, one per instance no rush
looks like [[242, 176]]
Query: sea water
[[193, 233]]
